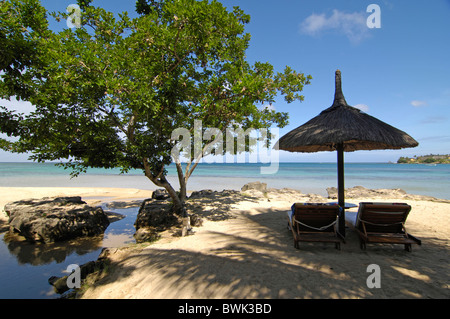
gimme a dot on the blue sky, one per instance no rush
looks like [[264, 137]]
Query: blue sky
[[399, 73]]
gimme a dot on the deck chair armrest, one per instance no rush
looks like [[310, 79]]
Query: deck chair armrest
[[337, 233], [408, 235], [404, 230], [363, 223]]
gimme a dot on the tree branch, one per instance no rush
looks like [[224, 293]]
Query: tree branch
[[112, 116]]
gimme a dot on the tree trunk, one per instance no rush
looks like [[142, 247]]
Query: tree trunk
[[179, 208], [183, 181], [178, 200], [178, 204], [160, 180]]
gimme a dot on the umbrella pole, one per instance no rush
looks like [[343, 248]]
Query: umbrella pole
[[341, 195]]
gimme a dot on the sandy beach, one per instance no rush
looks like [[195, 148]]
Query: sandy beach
[[244, 250]]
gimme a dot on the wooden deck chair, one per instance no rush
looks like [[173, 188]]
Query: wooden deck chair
[[311, 222], [384, 223]]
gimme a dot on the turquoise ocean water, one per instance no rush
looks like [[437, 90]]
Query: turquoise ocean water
[[25, 268], [308, 177]]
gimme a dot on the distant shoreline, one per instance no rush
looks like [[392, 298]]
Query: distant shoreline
[[306, 177], [425, 159]]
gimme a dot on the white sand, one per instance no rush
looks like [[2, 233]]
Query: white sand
[[248, 253]]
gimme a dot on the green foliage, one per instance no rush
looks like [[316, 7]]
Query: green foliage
[[110, 93], [22, 25], [430, 160], [148, 6], [426, 159], [402, 160]]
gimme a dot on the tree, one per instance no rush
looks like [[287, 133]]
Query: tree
[[402, 160], [22, 24], [110, 93], [429, 160]]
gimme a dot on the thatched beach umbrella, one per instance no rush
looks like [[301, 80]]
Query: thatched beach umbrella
[[345, 129]]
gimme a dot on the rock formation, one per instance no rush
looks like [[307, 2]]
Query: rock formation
[[154, 216], [55, 219]]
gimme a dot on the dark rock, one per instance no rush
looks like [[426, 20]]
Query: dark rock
[[160, 194], [155, 216], [146, 234], [155, 213], [60, 283], [3, 225], [202, 193], [195, 220], [55, 219]]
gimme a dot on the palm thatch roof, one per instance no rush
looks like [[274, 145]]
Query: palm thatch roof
[[347, 125]]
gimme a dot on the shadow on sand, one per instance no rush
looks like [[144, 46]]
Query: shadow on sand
[[258, 260]]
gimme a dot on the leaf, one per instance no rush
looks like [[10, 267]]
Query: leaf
[[110, 93]]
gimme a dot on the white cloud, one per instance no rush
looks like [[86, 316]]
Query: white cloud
[[314, 24], [417, 103], [362, 107], [352, 25]]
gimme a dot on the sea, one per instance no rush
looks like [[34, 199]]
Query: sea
[[25, 267], [423, 179]]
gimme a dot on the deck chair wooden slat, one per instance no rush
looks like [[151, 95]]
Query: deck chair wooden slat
[[314, 222], [384, 223]]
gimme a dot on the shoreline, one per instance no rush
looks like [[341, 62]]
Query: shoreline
[[248, 253], [307, 177]]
